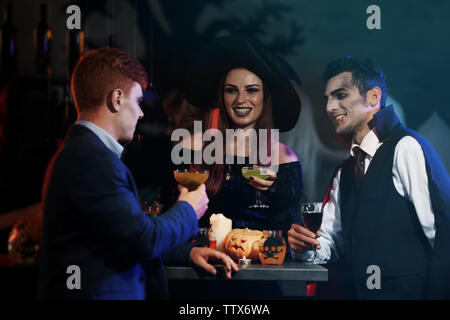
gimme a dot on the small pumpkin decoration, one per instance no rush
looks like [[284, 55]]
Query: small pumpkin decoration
[[243, 242], [272, 248]]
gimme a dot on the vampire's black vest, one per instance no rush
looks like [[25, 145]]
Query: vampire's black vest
[[381, 228]]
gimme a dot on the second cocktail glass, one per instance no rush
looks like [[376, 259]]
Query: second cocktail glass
[[261, 173]]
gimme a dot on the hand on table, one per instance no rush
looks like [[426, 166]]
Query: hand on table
[[201, 256], [301, 239]]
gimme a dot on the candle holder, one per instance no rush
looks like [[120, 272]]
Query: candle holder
[[244, 263]]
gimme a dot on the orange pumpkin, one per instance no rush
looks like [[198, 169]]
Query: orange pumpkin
[[243, 242]]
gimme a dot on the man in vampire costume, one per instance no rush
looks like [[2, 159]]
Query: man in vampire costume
[[386, 212]]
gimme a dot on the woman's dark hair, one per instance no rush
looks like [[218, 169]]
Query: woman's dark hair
[[264, 121]]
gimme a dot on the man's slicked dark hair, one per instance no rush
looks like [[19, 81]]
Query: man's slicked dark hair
[[365, 74]]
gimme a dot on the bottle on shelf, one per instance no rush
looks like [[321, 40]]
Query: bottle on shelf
[[8, 42], [75, 48], [43, 44]]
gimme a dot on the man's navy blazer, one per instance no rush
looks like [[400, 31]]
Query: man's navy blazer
[[93, 220]]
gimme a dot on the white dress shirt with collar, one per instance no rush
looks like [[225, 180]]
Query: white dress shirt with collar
[[103, 135], [410, 180]]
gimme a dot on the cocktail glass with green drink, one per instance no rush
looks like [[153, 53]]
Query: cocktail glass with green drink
[[261, 173]]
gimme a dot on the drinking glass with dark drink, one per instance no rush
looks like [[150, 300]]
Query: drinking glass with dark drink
[[312, 218]]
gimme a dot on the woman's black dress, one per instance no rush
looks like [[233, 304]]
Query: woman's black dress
[[236, 195]]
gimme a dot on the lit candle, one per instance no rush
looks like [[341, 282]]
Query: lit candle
[[245, 262]]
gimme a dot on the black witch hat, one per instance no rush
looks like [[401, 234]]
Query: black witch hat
[[226, 53]]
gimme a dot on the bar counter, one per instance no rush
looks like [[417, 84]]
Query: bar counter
[[292, 276], [193, 283]]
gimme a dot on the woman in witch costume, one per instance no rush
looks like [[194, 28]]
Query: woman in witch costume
[[248, 87]]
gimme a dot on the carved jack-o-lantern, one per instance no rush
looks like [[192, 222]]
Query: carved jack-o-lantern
[[243, 242]]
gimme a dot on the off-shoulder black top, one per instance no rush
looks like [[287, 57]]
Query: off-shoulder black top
[[236, 195]]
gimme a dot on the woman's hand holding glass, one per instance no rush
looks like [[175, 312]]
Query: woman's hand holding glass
[[261, 184], [260, 178]]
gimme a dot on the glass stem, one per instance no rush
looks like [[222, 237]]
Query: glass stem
[[315, 257], [258, 197]]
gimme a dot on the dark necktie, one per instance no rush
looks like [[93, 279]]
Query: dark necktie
[[359, 156]]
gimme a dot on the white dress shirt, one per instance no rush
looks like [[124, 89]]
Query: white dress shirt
[[410, 180], [103, 135]]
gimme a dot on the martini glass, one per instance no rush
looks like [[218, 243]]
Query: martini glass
[[191, 179], [261, 173]]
